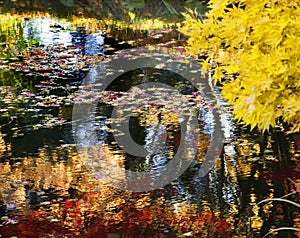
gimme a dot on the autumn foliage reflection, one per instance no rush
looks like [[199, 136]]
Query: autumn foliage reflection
[[63, 199]]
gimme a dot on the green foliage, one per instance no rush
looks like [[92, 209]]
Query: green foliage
[[10, 31], [170, 7], [255, 45], [12, 39], [132, 4], [68, 3]]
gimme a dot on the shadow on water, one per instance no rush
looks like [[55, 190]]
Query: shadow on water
[[46, 189]]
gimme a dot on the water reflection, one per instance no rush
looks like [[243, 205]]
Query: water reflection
[[47, 189], [55, 191], [62, 197], [49, 31]]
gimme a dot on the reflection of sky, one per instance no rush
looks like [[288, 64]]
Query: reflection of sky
[[155, 138], [41, 28], [226, 125]]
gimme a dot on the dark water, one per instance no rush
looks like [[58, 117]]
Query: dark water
[[47, 189]]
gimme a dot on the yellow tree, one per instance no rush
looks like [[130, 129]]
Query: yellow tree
[[253, 47]]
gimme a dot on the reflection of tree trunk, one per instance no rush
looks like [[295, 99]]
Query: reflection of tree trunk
[[296, 138], [280, 213], [137, 132], [281, 147], [279, 144]]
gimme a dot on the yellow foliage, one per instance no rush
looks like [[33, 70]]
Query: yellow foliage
[[260, 42], [108, 24]]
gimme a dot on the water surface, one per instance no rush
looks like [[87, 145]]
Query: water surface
[[46, 189]]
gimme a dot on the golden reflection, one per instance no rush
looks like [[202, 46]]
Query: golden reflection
[[256, 148], [244, 148], [5, 149], [41, 174], [203, 143], [84, 197], [244, 167], [205, 206], [297, 225], [256, 220], [12, 191], [107, 165], [109, 25]]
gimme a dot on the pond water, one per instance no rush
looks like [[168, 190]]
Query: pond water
[[47, 189]]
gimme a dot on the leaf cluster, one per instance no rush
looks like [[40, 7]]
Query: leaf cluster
[[255, 45]]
